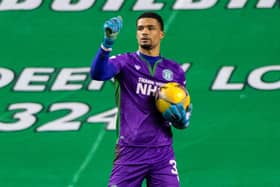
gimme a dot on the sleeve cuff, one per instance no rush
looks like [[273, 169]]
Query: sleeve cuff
[[105, 49]]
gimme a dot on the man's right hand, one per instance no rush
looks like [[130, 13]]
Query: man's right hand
[[112, 28]]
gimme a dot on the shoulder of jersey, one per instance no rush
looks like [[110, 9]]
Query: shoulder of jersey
[[173, 64]]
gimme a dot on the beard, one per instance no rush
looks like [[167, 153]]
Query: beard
[[146, 46]]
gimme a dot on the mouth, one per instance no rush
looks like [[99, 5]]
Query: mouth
[[145, 40]]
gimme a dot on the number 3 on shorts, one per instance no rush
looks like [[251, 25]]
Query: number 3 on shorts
[[174, 167]]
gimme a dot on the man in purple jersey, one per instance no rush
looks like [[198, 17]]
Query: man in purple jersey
[[144, 146]]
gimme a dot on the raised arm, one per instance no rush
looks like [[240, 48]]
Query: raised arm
[[100, 68]]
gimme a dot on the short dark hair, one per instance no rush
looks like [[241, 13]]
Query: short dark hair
[[152, 15]]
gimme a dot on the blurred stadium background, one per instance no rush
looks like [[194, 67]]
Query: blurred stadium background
[[57, 126]]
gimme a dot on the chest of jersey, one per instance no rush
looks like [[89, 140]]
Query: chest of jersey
[[142, 79]]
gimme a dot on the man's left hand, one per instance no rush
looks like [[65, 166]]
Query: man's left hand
[[178, 116]]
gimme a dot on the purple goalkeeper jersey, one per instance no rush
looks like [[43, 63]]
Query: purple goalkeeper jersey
[[139, 122]]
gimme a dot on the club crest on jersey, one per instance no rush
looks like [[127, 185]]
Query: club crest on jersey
[[167, 74]]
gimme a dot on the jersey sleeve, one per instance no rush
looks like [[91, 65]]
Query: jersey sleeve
[[101, 68], [181, 77], [118, 61], [104, 67]]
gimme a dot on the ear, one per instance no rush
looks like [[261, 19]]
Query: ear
[[162, 34]]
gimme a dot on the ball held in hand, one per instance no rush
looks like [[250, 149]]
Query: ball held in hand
[[171, 93]]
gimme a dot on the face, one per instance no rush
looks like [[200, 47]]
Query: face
[[149, 33]]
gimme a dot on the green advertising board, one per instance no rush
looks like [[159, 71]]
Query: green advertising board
[[57, 127]]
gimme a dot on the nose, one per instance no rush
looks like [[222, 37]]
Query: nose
[[144, 34], [145, 31]]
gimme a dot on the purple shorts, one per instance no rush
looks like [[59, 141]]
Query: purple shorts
[[134, 164]]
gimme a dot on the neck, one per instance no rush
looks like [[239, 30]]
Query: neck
[[150, 52]]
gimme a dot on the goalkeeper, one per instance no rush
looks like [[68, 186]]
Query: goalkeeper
[[144, 147]]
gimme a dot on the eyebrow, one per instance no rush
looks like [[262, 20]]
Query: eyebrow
[[146, 25]]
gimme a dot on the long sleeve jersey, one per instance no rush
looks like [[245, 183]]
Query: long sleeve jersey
[[139, 122]]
